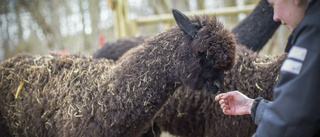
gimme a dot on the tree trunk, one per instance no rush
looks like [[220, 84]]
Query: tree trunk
[[6, 48], [159, 7], [55, 22], [34, 9], [94, 10], [17, 7], [182, 5], [200, 4], [84, 35], [231, 20]]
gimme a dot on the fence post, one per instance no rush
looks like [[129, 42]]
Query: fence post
[[121, 26]]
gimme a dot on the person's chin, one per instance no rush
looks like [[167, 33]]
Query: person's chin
[[289, 28]]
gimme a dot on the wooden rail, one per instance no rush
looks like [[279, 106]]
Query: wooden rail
[[216, 12], [125, 27], [168, 18]]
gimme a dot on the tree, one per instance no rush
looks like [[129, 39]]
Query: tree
[[34, 7], [86, 42], [94, 10]]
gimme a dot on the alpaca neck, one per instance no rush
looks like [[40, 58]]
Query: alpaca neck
[[151, 66], [143, 83], [146, 72]]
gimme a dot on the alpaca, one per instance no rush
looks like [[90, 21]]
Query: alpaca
[[257, 28], [3, 128], [187, 113], [192, 113], [253, 32], [114, 49], [124, 97]]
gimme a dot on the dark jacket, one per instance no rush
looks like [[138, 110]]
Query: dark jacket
[[295, 110]]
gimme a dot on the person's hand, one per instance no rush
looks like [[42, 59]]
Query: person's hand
[[234, 103]]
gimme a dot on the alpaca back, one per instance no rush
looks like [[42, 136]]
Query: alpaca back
[[114, 49], [40, 93]]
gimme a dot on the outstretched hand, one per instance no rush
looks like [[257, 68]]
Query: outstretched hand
[[234, 103]]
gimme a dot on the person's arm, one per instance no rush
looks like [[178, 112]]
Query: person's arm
[[258, 107], [296, 108], [234, 103]]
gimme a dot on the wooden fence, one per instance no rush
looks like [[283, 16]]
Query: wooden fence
[[125, 27]]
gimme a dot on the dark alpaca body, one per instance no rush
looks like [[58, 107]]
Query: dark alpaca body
[[126, 101], [257, 28], [188, 113], [114, 49], [4, 128]]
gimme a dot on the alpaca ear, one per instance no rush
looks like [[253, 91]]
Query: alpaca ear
[[184, 23]]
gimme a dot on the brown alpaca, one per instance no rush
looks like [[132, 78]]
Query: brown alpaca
[[193, 113], [126, 95]]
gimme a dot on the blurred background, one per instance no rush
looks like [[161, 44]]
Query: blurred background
[[72, 26]]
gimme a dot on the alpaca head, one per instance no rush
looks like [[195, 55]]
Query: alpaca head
[[209, 50]]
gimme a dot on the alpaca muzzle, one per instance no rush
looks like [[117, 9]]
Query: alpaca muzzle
[[215, 86]]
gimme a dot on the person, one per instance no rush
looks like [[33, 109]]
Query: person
[[295, 109]]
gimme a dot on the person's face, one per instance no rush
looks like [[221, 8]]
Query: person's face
[[289, 12]]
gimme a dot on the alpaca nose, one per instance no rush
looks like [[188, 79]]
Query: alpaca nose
[[215, 86], [212, 87], [209, 87], [220, 83]]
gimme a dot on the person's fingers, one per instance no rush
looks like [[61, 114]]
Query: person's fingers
[[222, 106], [224, 111], [227, 112], [228, 95], [221, 101], [218, 97], [226, 101]]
